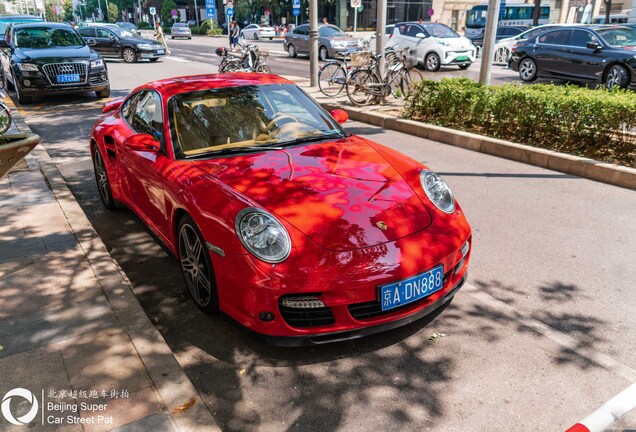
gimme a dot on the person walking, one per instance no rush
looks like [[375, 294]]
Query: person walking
[[230, 26], [161, 37], [236, 30]]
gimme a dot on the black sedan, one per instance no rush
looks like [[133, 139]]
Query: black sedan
[[603, 54], [46, 58], [119, 43]]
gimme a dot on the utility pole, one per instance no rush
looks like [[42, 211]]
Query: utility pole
[[380, 36], [492, 20], [313, 43], [196, 13]]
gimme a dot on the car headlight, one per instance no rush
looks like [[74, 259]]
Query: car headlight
[[336, 44], [437, 191], [97, 63], [27, 67], [145, 46], [262, 235]]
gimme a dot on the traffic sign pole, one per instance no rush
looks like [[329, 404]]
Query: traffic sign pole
[[355, 20]]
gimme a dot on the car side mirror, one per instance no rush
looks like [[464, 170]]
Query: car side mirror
[[90, 41], [420, 36], [142, 142], [593, 45], [339, 115]]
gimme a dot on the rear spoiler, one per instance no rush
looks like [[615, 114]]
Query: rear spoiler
[[112, 105]]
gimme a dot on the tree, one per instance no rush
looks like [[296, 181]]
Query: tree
[[113, 12], [608, 9], [536, 12], [68, 11], [167, 7]]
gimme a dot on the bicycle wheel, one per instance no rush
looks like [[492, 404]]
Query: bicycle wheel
[[410, 79], [358, 87], [331, 79], [5, 118], [263, 68], [395, 79]]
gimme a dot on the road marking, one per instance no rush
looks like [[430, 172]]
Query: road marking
[[177, 59], [555, 335]]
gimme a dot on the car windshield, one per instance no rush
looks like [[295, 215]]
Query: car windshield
[[46, 37], [440, 31], [179, 25], [623, 37], [245, 118], [477, 17], [122, 33], [330, 31], [127, 25]]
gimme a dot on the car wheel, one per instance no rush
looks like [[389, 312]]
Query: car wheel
[[617, 76], [7, 84], [291, 50], [101, 94], [255, 36], [271, 38], [323, 53], [464, 66], [528, 70], [24, 100], [153, 60], [432, 62], [196, 266], [129, 55], [172, 37], [101, 176]]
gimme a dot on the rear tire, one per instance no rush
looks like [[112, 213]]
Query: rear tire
[[291, 50], [528, 70], [357, 89], [617, 76]]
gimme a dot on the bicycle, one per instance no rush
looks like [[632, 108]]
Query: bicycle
[[5, 113], [251, 59], [332, 76], [367, 84]]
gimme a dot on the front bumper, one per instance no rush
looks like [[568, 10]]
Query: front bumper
[[458, 57], [39, 83], [346, 282], [151, 54]]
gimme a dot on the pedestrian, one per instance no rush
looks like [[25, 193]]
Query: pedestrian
[[161, 37], [236, 30], [229, 33], [324, 20]]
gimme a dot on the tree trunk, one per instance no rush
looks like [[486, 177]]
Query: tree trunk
[[536, 12], [608, 9]]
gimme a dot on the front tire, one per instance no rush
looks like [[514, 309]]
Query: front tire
[[101, 94], [617, 77], [101, 177], [323, 53], [196, 266], [129, 55], [22, 99], [464, 66], [528, 70], [432, 62], [291, 50]]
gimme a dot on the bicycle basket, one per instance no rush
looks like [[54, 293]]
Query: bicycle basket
[[410, 61], [360, 59]]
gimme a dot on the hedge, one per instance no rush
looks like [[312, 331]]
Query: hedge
[[597, 124]]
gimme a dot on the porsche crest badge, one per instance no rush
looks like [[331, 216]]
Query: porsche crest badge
[[381, 225]]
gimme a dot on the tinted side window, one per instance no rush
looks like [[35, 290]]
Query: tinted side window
[[302, 31], [580, 38], [101, 33], [412, 30], [128, 108], [557, 37], [87, 32], [148, 118]]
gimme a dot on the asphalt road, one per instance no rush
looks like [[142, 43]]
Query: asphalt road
[[550, 297]]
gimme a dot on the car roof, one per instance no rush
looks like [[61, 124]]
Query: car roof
[[186, 84], [42, 24], [16, 17]]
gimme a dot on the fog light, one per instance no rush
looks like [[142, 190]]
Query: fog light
[[27, 83], [266, 316], [302, 303]]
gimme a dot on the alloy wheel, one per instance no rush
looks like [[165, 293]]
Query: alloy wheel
[[432, 62], [527, 70], [101, 176], [129, 55], [194, 265]]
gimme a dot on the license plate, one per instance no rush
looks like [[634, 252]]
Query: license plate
[[161, 51], [412, 289], [68, 78], [461, 58]]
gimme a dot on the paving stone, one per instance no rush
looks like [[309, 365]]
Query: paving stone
[[155, 423]]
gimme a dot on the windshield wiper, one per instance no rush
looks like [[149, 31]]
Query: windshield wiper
[[315, 136], [234, 150]]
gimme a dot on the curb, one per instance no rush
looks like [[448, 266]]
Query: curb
[[604, 172], [180, 399]]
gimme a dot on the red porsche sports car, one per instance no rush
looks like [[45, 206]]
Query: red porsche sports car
[[281, 220]]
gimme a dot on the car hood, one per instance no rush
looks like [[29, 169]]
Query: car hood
[[58, 53], [340, 38], [139, 40], [342, 194], [455, 42]]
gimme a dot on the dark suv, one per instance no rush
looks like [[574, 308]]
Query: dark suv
[[47, 58], [120, 43]]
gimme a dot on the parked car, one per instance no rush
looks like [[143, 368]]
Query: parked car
[[279, 218], [46, 58], [434, 44], [586, 54], [504, 46], [130, 27], [180, 30], [257, 31], [119, 43], [5, 20], [614, 19], [502, 33], [330, 41]]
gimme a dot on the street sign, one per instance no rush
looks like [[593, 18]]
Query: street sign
[[356, 3], [296, 12], [296, 4], [211, 12], [230, 12], [431, 12], [153, 11], [174, 13]]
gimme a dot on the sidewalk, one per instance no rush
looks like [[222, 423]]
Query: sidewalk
[[71, 330]]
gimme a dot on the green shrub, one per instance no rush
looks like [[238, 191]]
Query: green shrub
[[213, 30], [144, 26], [598, 124]]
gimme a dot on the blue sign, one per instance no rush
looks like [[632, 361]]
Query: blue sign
[[296, 4], [211, 12], [296, 12], [230, 12], [210, 3], [502, 9]]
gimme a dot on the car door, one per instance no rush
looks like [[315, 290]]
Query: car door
[[301, 39], [107, 41], [551, 53], [249, 31], [143, 170], [586, 63], [89, 32]]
